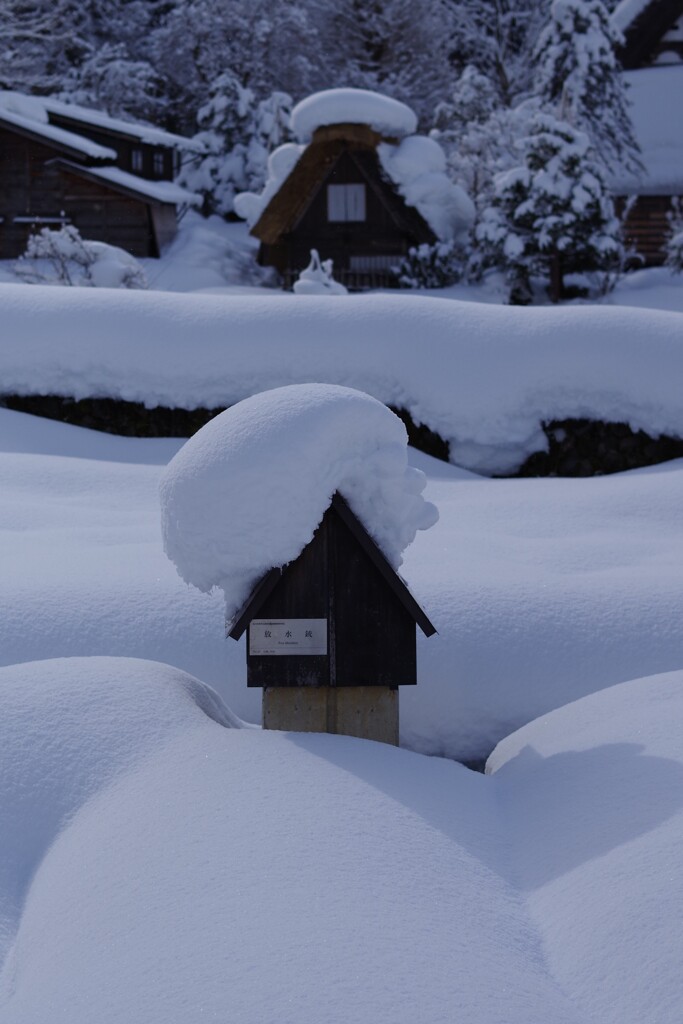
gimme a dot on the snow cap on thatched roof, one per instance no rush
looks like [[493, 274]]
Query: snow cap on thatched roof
[[386, 116]]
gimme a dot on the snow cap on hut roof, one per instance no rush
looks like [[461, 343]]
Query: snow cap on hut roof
[[388, 117]]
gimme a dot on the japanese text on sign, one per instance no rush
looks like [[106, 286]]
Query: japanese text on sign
[[288, 636]]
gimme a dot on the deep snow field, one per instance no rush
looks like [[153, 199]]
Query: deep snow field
[[160, 863], [163, 860]]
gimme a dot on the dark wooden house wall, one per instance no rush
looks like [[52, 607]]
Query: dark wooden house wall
[[32, 186], [157, 161], [371, 638], [379, 235], [647, 228]]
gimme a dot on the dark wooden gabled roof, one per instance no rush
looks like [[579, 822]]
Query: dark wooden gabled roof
[[269, 581], [316, 164], [643, 34]]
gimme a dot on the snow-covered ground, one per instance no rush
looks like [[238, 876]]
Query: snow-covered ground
[[541, 590], [163, 860], [159, 865]]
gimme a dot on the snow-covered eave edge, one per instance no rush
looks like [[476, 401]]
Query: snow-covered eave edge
[[129, 129], [164, 192], [59, 137]]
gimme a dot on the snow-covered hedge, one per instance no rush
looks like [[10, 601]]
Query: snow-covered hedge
[[482, 377]]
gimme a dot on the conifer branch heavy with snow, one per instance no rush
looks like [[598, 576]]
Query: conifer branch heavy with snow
[[579, 76], [552, 214]]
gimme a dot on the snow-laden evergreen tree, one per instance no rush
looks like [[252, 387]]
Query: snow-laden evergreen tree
[[110, 79], [480, 137], [238, 134], [673, 246], [579, 76], [398, 47], [266, 46], [498, 37], [551, 215]]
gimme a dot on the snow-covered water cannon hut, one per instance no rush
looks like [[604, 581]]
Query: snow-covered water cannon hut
[[298, 504], [359, 186]]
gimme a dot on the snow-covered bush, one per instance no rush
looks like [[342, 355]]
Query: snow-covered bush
[[673, 247], [432, 266], [64, 258], [551, 215], [238, 135], [317, 278]]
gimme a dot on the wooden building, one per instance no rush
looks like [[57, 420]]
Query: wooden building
[[331, 636], [652, 57], [57, 169], [338, 200]]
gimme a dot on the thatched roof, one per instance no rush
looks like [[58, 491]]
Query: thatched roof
[[329, 144]]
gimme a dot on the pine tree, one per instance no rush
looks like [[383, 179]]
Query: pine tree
[[398, 47], [579, 76], [497, 38], [551, 215], [480, 137], [238, 135]]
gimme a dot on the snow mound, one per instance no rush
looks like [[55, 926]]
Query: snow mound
[[68, 727], [317, 278], [352, 106], [417, 166], [593, 795], [247, 492]]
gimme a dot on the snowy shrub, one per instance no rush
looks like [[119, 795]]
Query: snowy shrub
[[551, 215], [317, 278], [673, 247], [64, 258], [432, 266]]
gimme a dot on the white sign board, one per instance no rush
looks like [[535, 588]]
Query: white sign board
[[288, 636]]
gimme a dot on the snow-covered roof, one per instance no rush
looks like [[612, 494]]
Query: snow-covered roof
[[657, 117], [416, 166], [158, 191], [99, 119], [627, 11], [226, 522], [28, 113], [387, 116]]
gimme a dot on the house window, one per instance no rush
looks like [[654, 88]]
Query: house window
[[136, 159], [158, 165], [345, 202]]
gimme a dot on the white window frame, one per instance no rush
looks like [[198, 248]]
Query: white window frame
[[158, 164], [137, 160], [346, 203]]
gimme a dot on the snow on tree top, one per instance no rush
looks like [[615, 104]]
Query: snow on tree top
[[247, 491], [352, 106]]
